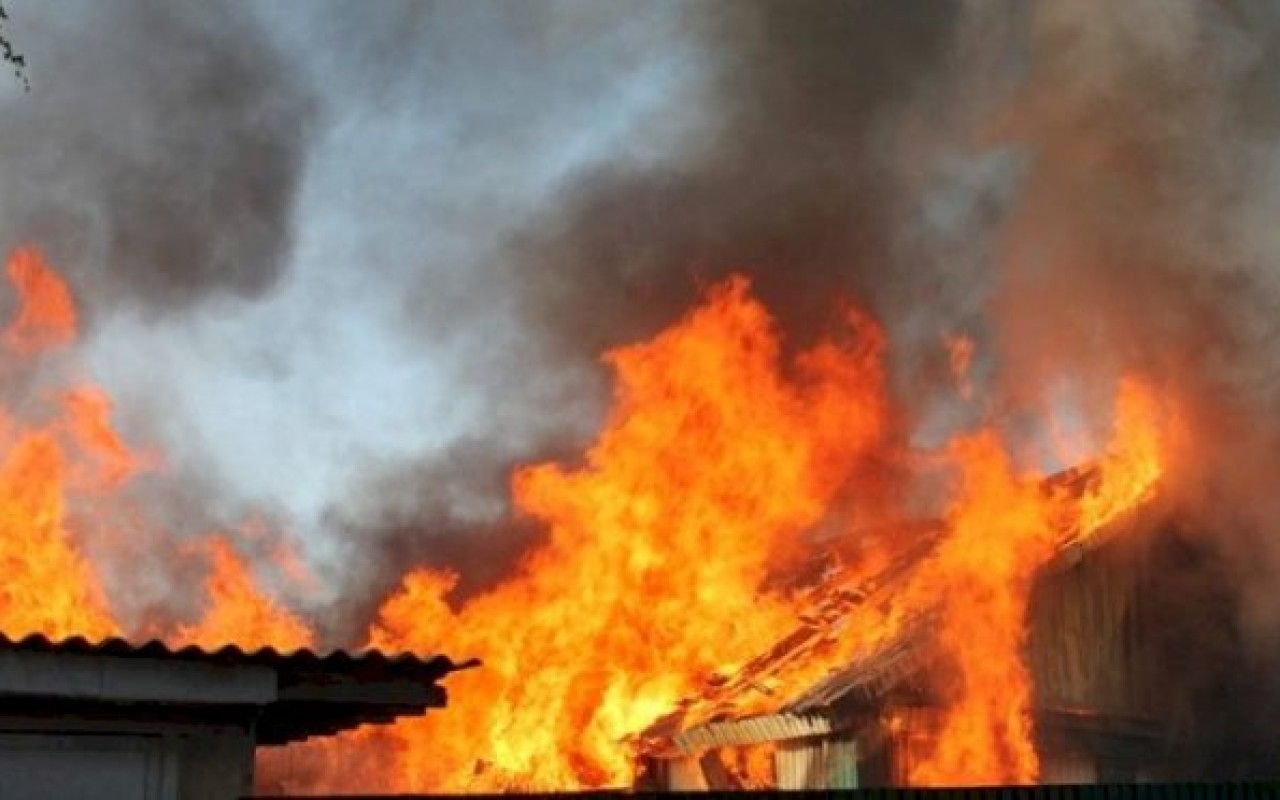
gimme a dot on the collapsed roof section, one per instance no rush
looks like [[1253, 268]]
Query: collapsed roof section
[[769, 700], [286, 696]]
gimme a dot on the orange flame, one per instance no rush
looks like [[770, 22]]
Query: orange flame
[[88, 415], [710, 465], [1002, 528], [1000, 532], [238, 612], [657, 574], [50, 586], [47, 318], [960, 357]]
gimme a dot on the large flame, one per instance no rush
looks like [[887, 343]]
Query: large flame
[[238, 612], [67, 454], [716, 459], [664, 562], [1002, 527], [709, 466]]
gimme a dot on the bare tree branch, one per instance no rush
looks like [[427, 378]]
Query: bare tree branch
[[10, 54]]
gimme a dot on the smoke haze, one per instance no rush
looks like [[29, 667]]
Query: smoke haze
[[349, 265]]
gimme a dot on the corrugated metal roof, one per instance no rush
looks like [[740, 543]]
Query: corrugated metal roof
[[316, 694], [337, 661]]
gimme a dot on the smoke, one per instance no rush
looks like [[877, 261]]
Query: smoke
[[1139, 243], [783, 162], [353, 265], [155, 159], [1086, 188], [160, 157], [793, 178], [449, 511]]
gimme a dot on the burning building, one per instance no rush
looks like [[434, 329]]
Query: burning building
[[869, 721], [663, 301]]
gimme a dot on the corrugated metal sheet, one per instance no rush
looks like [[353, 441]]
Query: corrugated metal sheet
[[398, 665], [317, 695], [752, 730]]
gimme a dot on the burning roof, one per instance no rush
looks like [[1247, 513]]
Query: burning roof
[[763, 701]]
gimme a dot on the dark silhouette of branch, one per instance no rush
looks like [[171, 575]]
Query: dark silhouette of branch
[[11, 54]]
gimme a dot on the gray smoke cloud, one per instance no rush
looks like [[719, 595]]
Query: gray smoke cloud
[[352, 264], [160, 157], [156, 161], [1137, 243]]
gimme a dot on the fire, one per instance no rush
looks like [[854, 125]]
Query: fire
[[47, 316], [1002, 527], [237, 610], [1135, 459], [48, 587], [716, 460], [1000, 531], [72, 456], [664, 558], [960, 350], [709, 467]]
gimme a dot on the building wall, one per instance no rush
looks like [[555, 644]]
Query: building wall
[[79, 759], [215, 764], [1085, 636], [817, 763], [1068, 767], [59, 766]]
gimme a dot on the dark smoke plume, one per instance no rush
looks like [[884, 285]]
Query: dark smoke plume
[[159, 160], [793, 181], [1086, 188], [1135, 245]]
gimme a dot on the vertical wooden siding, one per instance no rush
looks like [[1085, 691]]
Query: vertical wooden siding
[[1085, 634], [818, 763]]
